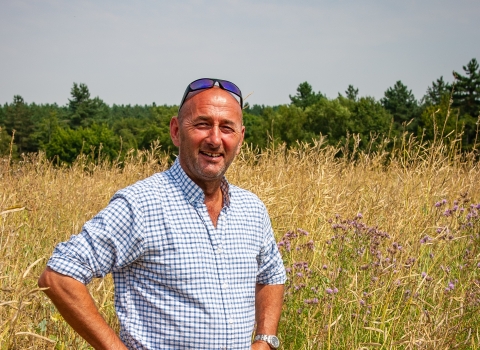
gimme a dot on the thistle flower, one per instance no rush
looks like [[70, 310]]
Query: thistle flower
[[311, 245], [303, 232], [426, 239], [450, 286]]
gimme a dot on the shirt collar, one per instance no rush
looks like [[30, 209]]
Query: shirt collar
[[193, 193]]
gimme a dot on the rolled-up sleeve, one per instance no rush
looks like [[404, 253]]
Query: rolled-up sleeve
[[270, 264], [111, 240]]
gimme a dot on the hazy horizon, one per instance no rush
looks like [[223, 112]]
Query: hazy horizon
[[148, 52]]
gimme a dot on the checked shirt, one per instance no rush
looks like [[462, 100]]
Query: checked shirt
[[180, 283]]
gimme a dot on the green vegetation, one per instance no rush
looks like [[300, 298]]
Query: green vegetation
[[88, 126]]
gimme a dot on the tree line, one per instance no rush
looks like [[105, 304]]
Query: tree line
[[90, 126]]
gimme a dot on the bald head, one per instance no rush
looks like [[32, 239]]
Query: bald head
[[214, 97]]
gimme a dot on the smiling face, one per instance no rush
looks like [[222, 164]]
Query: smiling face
[[209, 134]]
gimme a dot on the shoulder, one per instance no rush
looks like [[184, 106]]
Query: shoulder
[[246, 199], [146, 190]]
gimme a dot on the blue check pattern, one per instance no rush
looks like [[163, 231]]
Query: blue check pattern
[[180, 282]]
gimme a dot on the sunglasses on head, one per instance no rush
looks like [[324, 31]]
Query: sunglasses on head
[[208, 83]]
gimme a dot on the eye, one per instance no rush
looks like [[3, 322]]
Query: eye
[[202, 125], [227, 129]]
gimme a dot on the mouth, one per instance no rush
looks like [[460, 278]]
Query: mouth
[[211, 155]]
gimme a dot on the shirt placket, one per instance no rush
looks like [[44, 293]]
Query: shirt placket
[[217, 239]]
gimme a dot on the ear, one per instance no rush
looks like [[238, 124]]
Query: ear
[[174, 131], [239, 147]]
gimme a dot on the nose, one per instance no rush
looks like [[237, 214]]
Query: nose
[[214, 136]]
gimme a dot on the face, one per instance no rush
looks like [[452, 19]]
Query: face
[[209, 134]]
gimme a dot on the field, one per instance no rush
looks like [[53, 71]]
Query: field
[[382, 248]]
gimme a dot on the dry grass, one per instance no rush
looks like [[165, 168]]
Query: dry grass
[[370, 282]]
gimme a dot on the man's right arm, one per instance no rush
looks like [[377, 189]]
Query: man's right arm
[[77, 307]]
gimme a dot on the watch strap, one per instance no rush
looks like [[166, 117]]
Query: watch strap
[[271, 340]]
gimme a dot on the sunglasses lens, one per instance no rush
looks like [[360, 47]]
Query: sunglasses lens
[[201, 84], [231, 87]]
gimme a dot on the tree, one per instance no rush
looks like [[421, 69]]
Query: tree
[[435, 93], [305, 96], [6, 146], [438, 120], [401, 103], [330, 118], [18, 117], [83, 109], [97, 141], [466, 95], [351, 93], [369, 117]]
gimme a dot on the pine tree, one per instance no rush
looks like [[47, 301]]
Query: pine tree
[[18, 117], [351, 93], [305, 96], [466, 95], [83, 109], [436, 92], [403, 106]]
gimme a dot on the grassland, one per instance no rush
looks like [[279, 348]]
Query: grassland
[[382, 248]]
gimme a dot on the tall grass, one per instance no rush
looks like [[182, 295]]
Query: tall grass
[[381, 248]]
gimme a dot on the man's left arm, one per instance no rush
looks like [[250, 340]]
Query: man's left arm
[[268, 307]]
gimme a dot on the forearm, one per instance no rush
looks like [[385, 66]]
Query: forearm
[[77, 307], [268, 308]]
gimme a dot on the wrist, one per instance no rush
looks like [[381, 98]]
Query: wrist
[[260, 345], [270, 340]]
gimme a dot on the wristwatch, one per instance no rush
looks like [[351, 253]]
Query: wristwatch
[[269, 339]]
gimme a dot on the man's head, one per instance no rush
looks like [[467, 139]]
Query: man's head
[[209, 132]]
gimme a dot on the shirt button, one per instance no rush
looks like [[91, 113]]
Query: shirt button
[[230, 321], [225, 285]]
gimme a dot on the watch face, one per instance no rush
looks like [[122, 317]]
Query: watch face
[[275, 342]]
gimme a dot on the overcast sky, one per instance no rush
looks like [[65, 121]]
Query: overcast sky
[[139, 52]]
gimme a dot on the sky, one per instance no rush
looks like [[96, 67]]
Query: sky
[[140, 52]]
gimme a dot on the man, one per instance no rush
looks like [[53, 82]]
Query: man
[[193, 258]]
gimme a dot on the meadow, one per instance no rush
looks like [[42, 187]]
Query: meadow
[[382, 248]]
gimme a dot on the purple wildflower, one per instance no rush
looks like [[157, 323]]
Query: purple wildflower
[[329, 291], [303, 232], [426, 239]]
